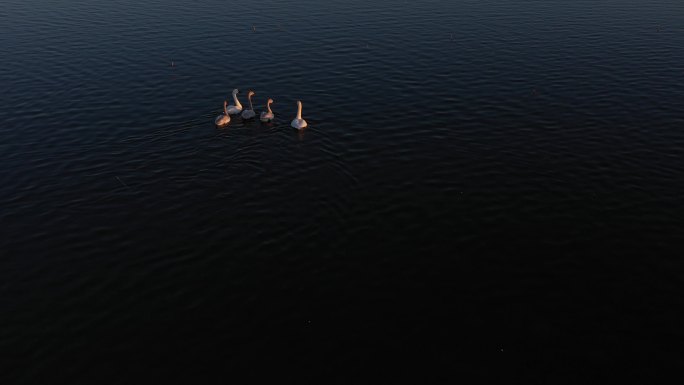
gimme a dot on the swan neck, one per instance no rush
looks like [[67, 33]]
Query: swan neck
[[250, 102], [299, 110], [268, 107], [225, 108], [236, 101]]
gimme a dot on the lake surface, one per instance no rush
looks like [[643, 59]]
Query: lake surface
[[487, 189]]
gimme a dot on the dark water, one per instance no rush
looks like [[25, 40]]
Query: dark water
[[488, 190]]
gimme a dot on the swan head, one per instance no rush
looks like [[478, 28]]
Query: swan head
[[299, 103], [269, 101], [250, 93], [235, 92]]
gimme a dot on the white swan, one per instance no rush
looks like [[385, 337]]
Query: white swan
[[224, 118], [236, 108], [249, 114], [298, 122], [267, 116]]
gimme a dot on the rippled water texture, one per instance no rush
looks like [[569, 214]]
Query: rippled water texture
[[499, 180]]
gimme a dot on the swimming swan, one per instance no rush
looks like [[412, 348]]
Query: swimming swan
[[298, 122], [249, 114], [267, 116], [236, 108], [224, 118]]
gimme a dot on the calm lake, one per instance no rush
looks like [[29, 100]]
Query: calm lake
[[487, 189]]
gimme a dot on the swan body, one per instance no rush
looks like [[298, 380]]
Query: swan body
[[298, 122], [249, 114], [223, 119], [267, 116], [236, 108]]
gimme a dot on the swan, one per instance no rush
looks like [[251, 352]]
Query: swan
[[223, 119], [236, 108], [249, 114], [298, 122], [267, 116]]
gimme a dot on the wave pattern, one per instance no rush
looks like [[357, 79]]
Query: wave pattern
[[464, 152]]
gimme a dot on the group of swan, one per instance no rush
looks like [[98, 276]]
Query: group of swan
[[266, 116]]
